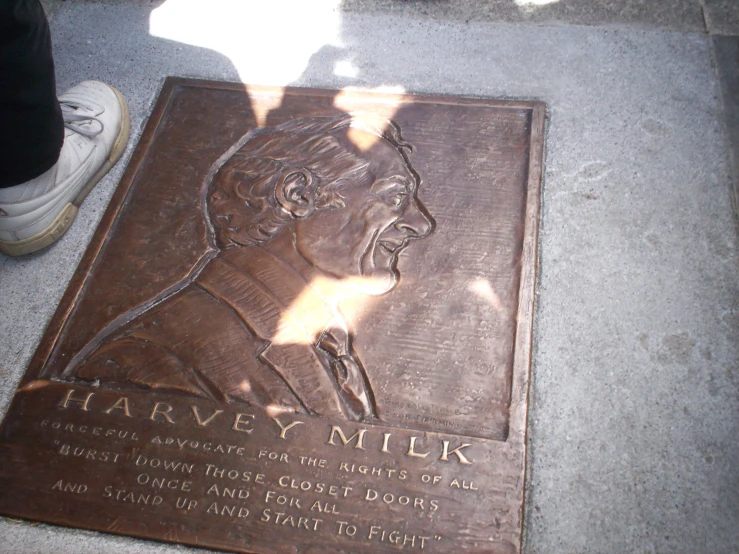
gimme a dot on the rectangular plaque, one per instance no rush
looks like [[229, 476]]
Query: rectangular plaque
[[303, 325]]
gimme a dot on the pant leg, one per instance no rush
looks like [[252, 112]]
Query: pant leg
[[31, 125]]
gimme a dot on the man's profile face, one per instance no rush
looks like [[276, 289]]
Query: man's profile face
[[365, 237]]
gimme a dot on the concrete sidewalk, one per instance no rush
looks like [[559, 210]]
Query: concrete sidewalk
[[634, 405]]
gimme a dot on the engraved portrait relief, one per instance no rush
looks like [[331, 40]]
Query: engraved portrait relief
[[303, 218]]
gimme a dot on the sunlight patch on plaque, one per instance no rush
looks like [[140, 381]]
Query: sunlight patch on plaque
[[484, 289], [346, 100], [263, 104], [325, 301]]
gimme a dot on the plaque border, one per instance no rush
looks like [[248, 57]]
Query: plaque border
[[520, 379]]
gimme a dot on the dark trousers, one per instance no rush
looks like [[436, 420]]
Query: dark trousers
[[31, 125]]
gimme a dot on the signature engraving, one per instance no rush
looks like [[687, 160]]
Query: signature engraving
[[305, 219]]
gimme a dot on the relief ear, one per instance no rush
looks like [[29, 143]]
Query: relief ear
[[295, 192]]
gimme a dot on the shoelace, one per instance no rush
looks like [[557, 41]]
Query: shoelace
[[77, 122]]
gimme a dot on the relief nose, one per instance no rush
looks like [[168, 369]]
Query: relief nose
[[415, 222]]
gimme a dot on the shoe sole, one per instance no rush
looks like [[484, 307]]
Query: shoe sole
[[66, 217]]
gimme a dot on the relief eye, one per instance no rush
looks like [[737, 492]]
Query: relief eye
[[397, 198]]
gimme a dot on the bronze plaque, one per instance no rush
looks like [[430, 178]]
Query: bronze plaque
[[303, 325]]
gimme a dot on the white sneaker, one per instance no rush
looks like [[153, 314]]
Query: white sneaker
[[36, 213]]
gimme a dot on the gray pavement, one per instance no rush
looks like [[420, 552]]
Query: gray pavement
[[634, 405]]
